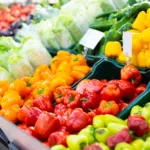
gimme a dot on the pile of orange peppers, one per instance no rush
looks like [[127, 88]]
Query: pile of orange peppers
[[65, 69]]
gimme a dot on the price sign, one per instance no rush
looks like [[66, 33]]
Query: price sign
[[127, 43], [91, 38]]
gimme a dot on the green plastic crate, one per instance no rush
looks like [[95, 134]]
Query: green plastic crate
[[110, 69]]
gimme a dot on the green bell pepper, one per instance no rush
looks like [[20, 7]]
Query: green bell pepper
[[112, 119], [89, 133], [123, 146], [98, 121], [137, 144], [115, 128], [102, 134], [77, 142]]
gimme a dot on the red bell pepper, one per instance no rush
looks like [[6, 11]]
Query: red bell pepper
[[44, 103], [77, 120], [122, 105], [93, 85], [106, 107], [22, 114], [121, 136], [22, 126], [91, 115], [60, 92], [110, 92], [138, 125], [90, 100], [58, 137], [46, 124], [130, 73], [59, 109], [72, 99], [126, 88], [82, 86], [63, 118], [32, 116], [31, 131], [141, 88], [134, 97]]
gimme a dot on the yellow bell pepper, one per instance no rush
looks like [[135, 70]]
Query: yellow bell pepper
[[11, 98], [133, 60], [139, 22], [133, 31], [136, 45], [122, 58], [57, 82], [113, 49], [145, 36], [141, 59], [147, 21], [11, 112]]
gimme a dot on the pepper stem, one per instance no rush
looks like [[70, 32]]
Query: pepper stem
[[132, 80], [82, 145]]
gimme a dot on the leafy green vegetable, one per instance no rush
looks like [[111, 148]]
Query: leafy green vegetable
[[19, 66], [35, 51]]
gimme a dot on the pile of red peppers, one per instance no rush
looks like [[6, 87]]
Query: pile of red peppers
[[75, 109]]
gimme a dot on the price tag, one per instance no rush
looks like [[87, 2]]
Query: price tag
[[91, 38], [127, 43]]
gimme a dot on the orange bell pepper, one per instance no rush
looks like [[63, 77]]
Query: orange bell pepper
[[22, 87], [64, 75], [42, 88], [77, 75], [55, 63], [82, 69], [4, 85], [64, 67], [63, 55], [11, 112], [11, 98], [77, 60]]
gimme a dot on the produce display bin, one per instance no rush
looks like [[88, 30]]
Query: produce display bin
[[100, 71]]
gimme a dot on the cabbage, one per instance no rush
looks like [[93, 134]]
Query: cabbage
[[65, 38], [47, 36], [75, 30], [26, 31], [35, 51], [4, 59], [5, 75], [19, 66], [94, 7], [6, 44]]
